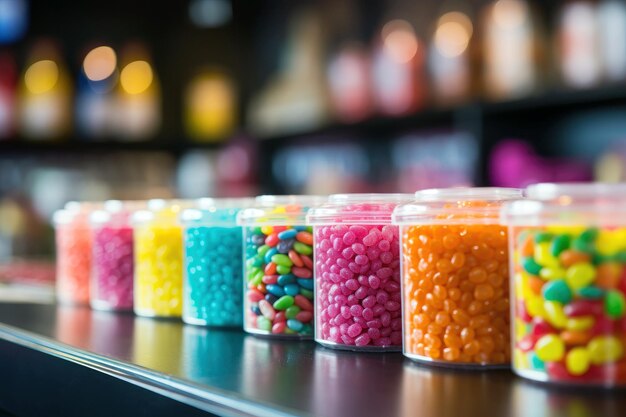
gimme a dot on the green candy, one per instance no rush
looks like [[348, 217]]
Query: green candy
[[537, 363], [257, 278], [302, 249], [256, 230], [614, 304], [263, 250], [264, 323], [531, 266], [292, 312], [557, 290], [582, 245], [251, 272], [281, 259], [543, 237], [598, 258], [284, 302], [620, 257], [307, 293], [591, 292], [589, 235], [283, 270], [559, 244]]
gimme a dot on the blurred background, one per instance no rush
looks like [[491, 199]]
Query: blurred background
[[140, 99]]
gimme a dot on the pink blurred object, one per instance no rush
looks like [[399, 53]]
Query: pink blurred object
[[514, 163]]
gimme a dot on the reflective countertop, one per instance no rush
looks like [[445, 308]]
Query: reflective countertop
[[230, 373]]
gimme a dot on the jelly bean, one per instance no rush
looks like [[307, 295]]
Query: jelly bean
[[269, 254], [263, 250], [580, 323], [302, 248], [255, 295], [295, 258], [263, 323], [531, 266], [536, 284], [307, 261], [575, 338], [267, 230], [582, 245], [552, 273], [292, 289], [286, 279], [113, 267], [287, 234], [306, 293], [283, 269], [294, 325], [271, 298], [302, 302], [536, 363], [527, 343], [302, 272], [554, 314], [559, 244], [284, 302], [292, 311], [270, 279], [279, 327], [580, 275], [577, 361], [272, 240], [591, 292], [572, 257], [305, 238], [605, 349], [579, 308], [276, 290], [544, 257], [608, 275], [270, 269], [267, 310], [550, 348], [304, 316], [305, 283], [541, 328], [614, 304], [589, 235], [520, 359], [282, 260], [543, 237], [557, 291]]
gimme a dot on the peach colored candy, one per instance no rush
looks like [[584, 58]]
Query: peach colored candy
[[456, 289], [73, 262]]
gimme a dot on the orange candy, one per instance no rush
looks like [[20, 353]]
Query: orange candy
[[456, 293], [73, 263]]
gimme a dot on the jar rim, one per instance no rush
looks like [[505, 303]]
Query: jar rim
[[357, 209]]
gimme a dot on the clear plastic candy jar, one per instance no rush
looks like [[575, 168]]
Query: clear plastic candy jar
[[112, 255], [357, 272], [568, 277], [158, 240], [213, 263], [73, 252], [278, 266], [455, 280]]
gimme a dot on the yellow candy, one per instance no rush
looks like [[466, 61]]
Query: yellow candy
[[566, 230], [520, 329], [520, 360], [580, 323], [580, 275], [609, 242], [550, 348], [158, 270], [552, 273], [605, 349], [543, 255], [554, 314], [577, 361], [535, 306], [267, 230]]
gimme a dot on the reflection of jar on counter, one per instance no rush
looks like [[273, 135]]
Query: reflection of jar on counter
[[157, 344], [158, 250], [278, 266], [357, 272], [455, 276], [73, 325], [569, 283], [73, 247]]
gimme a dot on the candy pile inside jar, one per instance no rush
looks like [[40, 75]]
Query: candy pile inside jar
[[213, 263], [74, 252], [455, 277], [278, 267], [570, 283], [357, 269]]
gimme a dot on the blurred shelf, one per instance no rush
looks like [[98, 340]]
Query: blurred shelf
[[72, 145]]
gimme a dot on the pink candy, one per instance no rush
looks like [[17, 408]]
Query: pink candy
[[112, 260], [358, 285]]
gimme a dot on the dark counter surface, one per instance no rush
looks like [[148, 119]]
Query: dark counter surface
[[226, 372]]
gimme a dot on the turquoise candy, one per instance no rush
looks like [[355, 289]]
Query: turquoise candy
[[269, 254], [287, 234], [305, 283], [307, 329], [557, 290], [286, 279], [591, 292], [583, 245], [559, 244], [292, 289], [294, 325], [531, 266], [543, 237], [276, 290], [214, 275], [537, 363]]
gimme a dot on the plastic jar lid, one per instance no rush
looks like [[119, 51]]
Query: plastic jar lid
[[279, 210], [161, 210], [569, 204], [75, 211], [116, 212], [357, 209], [456, 206], [215, 211]]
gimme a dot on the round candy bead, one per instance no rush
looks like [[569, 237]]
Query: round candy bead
[[73, 262]]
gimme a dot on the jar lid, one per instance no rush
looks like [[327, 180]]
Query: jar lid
[[357, 209], [569, 204], [162, 210], [75, 211], [461, 205], [116, 211], [215, 211], [279, 210]]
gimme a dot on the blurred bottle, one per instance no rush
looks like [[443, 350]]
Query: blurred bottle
[[612, 26], [349, 83], [13, 20], [138, 115], [449, 57], [95, 103], [399, 82], [509, 46], [581, 63], [44, 94], [210, 107], [8, 81], [611, 166]]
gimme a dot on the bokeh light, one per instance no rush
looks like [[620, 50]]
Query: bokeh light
[[100, 63], [136, 77], [41, 76], [453, 34], [510, 13], [13, 20], [399, 40], [210, 106]]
